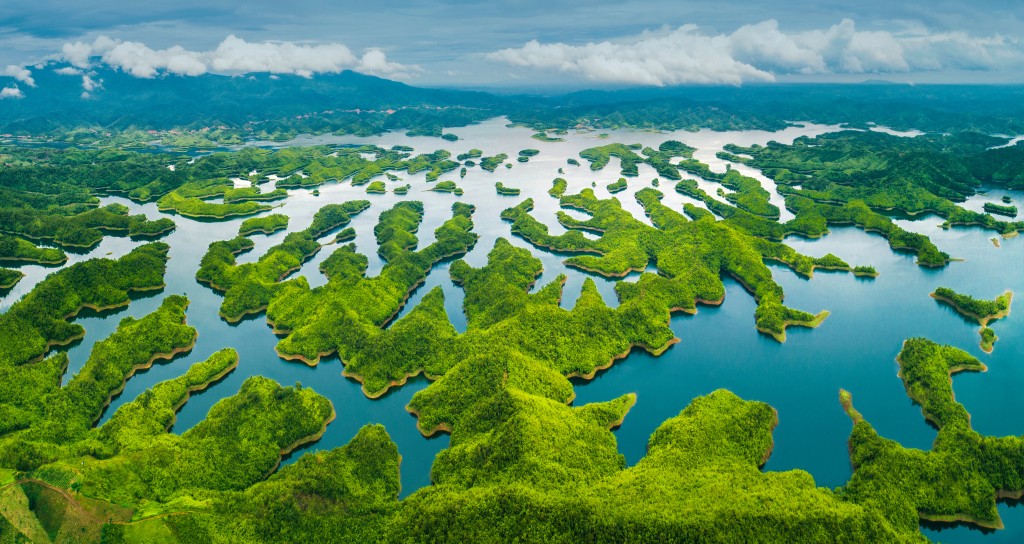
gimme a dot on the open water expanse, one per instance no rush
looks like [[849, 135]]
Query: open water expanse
[[854, 349]]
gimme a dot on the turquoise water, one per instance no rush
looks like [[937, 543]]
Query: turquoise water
[[854, 349]]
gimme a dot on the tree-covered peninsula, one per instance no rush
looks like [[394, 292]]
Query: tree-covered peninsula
[[982, 311]]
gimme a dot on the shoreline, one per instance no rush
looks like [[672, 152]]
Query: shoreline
[[982, 320], [196, 389], [780, 337], [15, 281], [953, 370], [50, 344], [302, 441], [167, 356], [32, 260], [261, 230]]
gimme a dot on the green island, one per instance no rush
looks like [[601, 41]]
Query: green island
[[543, 137], [267, 224], [76, 475], [999, 209], [865, 271], [447, 187], [960, 478], [507, 191], [982, 311], [525, 154], [19, 250], [558, 187], [491, 163], [617, 186], [377, 187], [9, 278], [403, 189], [659, 159], [249, 288], [471, 154], [193, 199]]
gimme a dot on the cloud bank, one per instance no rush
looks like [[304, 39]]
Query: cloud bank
[[19, 73], [761, 51], [11, 92], [234, 55]]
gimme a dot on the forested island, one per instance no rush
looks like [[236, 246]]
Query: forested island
[[982, 311]]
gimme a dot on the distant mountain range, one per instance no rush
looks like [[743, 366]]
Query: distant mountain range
[[122, 101]]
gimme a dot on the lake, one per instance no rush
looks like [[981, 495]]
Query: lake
[[854, 349]]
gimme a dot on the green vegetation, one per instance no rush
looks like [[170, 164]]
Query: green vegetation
[[988, 339], [813, 218], [982, 311], [868, 271], [68, 227], [558, 187], [40, 320], [403, 189], [525, 154], [1009, 211], [471, 154], [248, 288], [9, 278], [447, 187], [691, 255], [507, 191], [133, 459], [617, 186], [449, 137], [600, 156], [885, 172], [377, 187], [47, 420], [562, 482], [963, 474], [310, 318], [192, 199], [543, 137], [267, 224], [14, 249], [1006, 199], [491, 163]]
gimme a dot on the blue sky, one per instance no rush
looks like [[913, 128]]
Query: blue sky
[[529, 43]]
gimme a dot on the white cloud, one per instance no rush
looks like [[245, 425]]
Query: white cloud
[[11, 92], [89, 84], [234, 55], [19, 73], [762, 51], [68, 71]]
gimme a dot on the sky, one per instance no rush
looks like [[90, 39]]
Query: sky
[[523, 43]]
